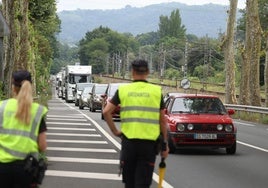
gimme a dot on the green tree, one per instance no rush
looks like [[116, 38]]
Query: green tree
[[100, 46], [171, 26], [148, 38]]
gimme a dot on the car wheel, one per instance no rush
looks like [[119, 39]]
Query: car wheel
[[231, 150], [89, 106], [93, 109], [79, 105], [102, 117], [171, 146]]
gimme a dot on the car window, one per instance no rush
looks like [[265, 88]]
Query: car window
[[82, 86], [87, 89], [198, 105], [112, 90], [181, 105], [100, 89]]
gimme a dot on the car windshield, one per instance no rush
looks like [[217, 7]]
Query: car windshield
[[100, 89], [112, 91], [198, 105], [82, 86], [87, 90]]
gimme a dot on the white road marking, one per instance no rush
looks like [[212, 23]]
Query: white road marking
[[83, 160], [77, 141], [70, 134], [70, 129], [65, 123], [87, 175], [118, 145], [66, 119], [252, 146], [74, 116], [81, 149], [246, 124]]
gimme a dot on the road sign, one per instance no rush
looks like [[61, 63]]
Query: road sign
[[185, 83]]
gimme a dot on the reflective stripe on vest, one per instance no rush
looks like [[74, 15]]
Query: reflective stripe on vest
[[143, 109], [30, 134]]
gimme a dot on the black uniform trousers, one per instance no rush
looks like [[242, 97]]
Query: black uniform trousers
[[137, 161], [13, 175]]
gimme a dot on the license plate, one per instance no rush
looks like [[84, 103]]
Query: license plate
[[205, 136]]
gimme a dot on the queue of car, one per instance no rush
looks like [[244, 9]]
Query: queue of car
[[193, 120], [95, 96]]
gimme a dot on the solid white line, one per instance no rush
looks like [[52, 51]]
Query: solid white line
[[69, 134], [66, 119], [81, 149], [83, 160], [246, 124], [65, 123], [77, 141], [252, 146], [70, 129], [164, 183], [88, 175]]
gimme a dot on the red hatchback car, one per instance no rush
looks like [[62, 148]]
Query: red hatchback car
[[196, 120]]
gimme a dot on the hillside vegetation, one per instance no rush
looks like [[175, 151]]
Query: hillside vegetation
[[199, 20]]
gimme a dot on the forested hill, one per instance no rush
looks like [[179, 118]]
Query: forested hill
[[200, 20]]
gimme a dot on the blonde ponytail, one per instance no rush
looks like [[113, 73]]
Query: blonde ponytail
[[25, 99]]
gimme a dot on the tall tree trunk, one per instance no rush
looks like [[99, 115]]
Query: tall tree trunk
[[17, 43], [10, 50], [255, 46], [228, 45], [24, 35], [266, 72]]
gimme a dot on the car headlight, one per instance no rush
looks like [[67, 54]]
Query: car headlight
[[219, 127], [180, 127], [190, 127], [228, 128]]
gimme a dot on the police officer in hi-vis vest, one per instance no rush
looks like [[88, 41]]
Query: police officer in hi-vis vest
[[142, 123], [22, 131]]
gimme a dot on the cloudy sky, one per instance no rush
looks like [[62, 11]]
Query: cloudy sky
[[117, 4]]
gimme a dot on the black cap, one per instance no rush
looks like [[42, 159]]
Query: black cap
[[20, 76], [140, 65]]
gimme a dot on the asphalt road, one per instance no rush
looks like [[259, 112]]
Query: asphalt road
[[82, 153]]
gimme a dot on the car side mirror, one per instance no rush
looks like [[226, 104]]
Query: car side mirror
[[165, 111], [103, 96], [231, 111]]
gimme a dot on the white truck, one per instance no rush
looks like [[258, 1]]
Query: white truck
[[75, 74]]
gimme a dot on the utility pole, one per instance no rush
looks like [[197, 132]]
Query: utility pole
[[205, 65], [185, 59], [162, 63]]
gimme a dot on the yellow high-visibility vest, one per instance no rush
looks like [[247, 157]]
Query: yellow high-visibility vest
[[17, 139], [140, 110]]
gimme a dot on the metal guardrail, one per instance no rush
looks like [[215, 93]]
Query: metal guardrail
[[252, 109]]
